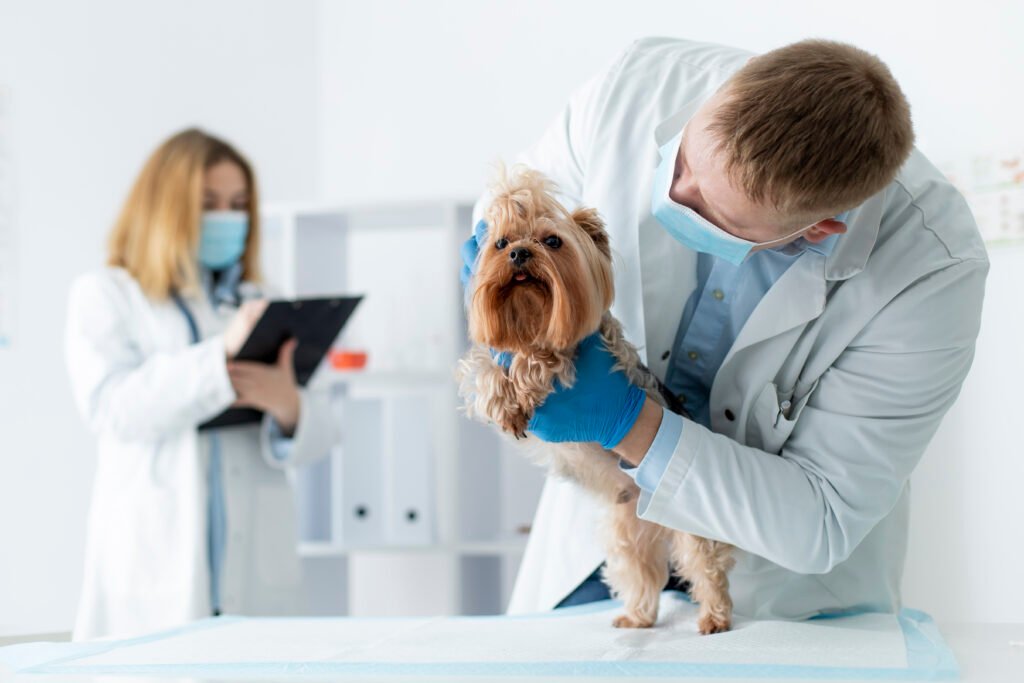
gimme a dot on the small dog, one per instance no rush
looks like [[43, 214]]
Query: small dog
[[544, 283]]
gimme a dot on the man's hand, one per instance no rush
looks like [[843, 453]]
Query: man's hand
[[470, 250], [601, 406], [270, 388]]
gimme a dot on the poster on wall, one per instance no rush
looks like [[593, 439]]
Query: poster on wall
[[993, 185], [7, 247]]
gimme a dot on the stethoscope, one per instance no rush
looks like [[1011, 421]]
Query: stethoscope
[[215, 466], [192, 327]]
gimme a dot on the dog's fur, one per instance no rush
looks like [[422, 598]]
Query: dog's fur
[[539, 310]]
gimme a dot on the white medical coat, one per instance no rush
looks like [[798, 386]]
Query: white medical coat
[[143, 388], [869, 346]]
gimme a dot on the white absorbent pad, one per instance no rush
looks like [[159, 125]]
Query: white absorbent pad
[[577, 641]]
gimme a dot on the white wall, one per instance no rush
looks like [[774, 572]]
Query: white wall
[[967, 533], [95, 86], [419, 98]]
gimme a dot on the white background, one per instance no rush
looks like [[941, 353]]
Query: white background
[[382, 100]]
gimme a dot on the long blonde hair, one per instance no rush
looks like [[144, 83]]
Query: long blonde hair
[[156, 236]]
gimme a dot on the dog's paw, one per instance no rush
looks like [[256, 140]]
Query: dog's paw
[[514, 423], [709, 624], [626, 621]]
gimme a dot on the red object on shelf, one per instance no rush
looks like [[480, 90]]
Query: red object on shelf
[[344, 359]]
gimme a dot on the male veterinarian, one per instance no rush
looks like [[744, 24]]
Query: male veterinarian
[[804, 280]]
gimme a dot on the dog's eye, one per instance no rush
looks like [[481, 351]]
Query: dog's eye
[[500, 243], [553, 241]]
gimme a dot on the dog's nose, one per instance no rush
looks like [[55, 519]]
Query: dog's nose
[[520, 255]]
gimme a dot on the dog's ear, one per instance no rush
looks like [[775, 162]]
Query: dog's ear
[[591, 222]]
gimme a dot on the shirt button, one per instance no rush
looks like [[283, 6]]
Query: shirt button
[[718, 294], [729, 415], [665, 355], [693, 355]]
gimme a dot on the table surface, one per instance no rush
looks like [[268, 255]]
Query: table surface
[[987, 653]]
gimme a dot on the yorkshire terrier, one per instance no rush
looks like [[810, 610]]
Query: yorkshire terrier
[[544, 283]]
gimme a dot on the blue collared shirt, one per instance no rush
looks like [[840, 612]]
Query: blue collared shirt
[[715, 313]]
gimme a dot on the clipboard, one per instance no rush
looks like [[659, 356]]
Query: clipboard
[[314, 323]]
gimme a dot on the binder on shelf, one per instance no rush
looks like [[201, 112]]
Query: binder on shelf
[[409, 471], [361, 510]]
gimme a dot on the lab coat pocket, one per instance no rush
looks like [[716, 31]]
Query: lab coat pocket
[[773, 418]]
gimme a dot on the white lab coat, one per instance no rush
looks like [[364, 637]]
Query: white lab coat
[[869, 345], [143, 388]]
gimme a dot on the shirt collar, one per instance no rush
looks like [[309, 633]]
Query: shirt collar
[[222, 289], [823, 247]]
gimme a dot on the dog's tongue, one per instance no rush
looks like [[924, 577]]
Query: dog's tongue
[[520, 277]]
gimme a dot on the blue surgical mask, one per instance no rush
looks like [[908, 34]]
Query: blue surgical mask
[[222, 238], [689, 227]]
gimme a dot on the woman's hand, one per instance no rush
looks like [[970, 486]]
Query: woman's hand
[[270, 388], [241, 325]]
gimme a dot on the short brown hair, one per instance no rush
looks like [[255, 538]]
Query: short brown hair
[[156, 237], [816, 126]]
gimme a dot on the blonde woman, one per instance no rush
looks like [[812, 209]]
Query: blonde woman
[[186, 522]]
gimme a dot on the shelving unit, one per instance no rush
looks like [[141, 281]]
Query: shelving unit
[[404, 258]]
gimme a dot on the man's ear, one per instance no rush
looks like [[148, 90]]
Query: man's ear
[[591, 222], [824, 229]]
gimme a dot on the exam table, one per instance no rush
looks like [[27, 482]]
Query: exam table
[[576, 642]]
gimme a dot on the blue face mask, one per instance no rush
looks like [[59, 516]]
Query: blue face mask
[[222, 238], [689, 227]]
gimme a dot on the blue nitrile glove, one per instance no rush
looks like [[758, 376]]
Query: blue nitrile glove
[[470, 250], [601, 406]]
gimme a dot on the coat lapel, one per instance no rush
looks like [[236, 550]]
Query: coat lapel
[[668, 270], [668, 277], [797, 296]]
